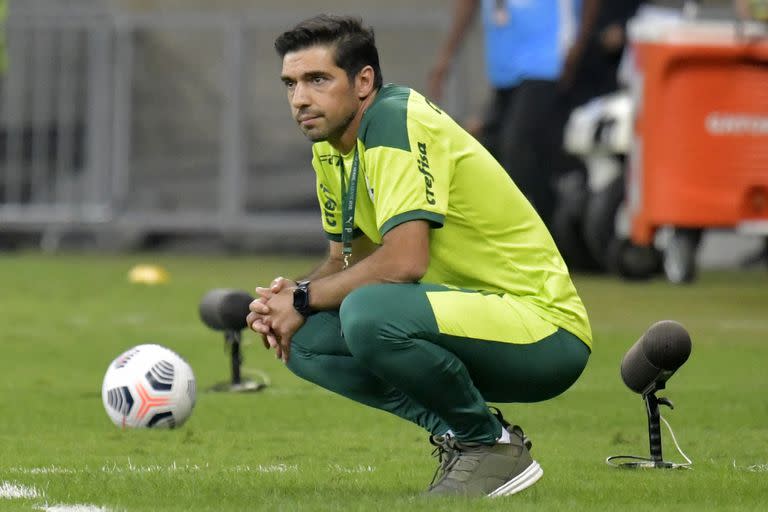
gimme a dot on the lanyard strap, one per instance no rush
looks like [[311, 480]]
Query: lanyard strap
[[348, 199]]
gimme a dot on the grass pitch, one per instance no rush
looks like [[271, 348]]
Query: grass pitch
[[293, 446]]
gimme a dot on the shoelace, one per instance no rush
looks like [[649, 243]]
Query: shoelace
[[453, 457], [446, 453]]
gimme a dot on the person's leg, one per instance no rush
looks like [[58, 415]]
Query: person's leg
[[531, 372], [320, 355], [452, 350], [492, 136], [532, 139], [517, 154]]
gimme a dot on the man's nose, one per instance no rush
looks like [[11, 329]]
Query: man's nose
[[300, 96]]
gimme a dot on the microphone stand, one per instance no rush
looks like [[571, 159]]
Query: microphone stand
[[654, 428], [233, 340], [656, 459]]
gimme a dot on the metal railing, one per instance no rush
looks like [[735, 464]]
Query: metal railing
[[54, 121], [171, 122]]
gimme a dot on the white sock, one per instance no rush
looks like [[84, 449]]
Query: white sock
[[504, 439]]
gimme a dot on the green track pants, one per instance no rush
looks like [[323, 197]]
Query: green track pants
[[392, 356]]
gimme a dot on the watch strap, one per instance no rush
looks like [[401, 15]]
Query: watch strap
[[301, 299]]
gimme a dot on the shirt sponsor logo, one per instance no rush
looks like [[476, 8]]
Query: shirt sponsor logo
[[723, 123], [330, 159], [423, 165], [329, 206]]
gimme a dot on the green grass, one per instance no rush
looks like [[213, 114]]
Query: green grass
[[293, 446]]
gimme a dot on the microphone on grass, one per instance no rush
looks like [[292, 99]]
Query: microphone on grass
[[645, 369], [655, 357], [224, 309]]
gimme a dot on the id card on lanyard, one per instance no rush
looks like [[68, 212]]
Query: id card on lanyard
[[348, 200]]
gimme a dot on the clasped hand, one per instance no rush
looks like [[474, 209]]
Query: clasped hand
[[274, 317]]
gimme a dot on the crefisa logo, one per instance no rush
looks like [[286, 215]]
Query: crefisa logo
[[726, 123]]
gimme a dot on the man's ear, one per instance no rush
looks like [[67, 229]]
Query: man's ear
[[364, 82]]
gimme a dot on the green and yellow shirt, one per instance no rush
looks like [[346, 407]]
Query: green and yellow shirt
[[415, 162]]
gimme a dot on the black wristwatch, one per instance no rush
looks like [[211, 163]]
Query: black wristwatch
[[301, 298]]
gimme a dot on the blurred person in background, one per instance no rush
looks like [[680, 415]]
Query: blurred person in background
[[598, 73], [752, 9], [433, 299], [533, 49]]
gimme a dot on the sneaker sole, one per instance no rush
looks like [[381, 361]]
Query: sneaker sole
[[522, 481]]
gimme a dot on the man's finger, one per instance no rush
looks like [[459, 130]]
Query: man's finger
[[252, 319], [264, 293], [258, 306], [279, 283], [259, 325]]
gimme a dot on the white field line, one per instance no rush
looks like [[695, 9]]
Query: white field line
[[72, 508], [182, 468], [44, 470], [754, 468], [11, 490], [354, 469], [270, 468]]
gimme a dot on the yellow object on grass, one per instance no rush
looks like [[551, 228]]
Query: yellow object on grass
[[148, 274]]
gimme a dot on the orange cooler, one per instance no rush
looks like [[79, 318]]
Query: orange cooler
[[700, 149]]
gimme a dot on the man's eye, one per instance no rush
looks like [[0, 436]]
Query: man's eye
[[318, 80]]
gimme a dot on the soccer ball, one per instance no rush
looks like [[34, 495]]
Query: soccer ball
[[148, 386]]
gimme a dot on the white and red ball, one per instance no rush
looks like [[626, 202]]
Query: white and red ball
[[148, 386]]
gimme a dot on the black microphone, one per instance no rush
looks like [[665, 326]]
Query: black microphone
[[224, 309], [655, 357]]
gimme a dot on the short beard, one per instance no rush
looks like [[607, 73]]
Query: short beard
[[334, 134]]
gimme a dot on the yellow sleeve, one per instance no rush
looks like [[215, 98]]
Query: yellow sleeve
[[408, 185]]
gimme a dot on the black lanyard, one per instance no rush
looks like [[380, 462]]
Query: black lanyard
[[348, 199]]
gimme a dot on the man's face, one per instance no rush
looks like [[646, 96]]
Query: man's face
[[322, 99]]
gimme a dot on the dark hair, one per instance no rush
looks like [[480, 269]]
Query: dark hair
[[354, 44]]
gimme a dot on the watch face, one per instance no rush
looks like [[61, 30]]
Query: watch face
[[301, 299]]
